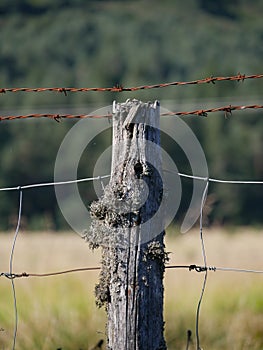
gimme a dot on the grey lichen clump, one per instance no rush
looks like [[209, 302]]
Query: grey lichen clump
[[111, 215], [116, 210], [105, 220], [102, 292], [155, 251]]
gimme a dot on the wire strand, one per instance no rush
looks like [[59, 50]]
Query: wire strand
[[11, 267], [192, 267], [205, 266], [119, 88], [201, 178], [99, 178], [197, 268], [232, 269], [199, 112], [25, 187]]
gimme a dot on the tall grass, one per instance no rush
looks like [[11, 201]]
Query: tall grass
[[59, 312]]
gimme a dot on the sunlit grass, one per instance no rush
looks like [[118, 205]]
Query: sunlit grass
[[60, 312]]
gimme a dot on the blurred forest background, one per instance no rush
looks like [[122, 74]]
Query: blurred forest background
[[82, 43]]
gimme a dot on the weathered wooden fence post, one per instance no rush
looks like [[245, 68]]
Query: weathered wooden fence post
[[126, 226]]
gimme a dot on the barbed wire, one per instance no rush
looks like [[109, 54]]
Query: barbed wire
[[199, 112], [120, 88], [205, 268], [56, 117], [204, 112]]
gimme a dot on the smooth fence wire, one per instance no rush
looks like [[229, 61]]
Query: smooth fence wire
[[192, 267], [10, 275], [99, 178], [25, 187], [205, 265], [11, 266]]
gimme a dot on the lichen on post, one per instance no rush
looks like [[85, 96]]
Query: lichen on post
[[127, 224]]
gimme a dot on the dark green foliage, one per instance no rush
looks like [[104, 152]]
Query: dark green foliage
[[103, 43], [224, 8]]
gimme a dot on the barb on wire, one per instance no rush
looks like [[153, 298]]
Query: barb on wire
[[198, 112], [120, 88]]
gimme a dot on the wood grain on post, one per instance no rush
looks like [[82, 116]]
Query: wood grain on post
[[130, 233]]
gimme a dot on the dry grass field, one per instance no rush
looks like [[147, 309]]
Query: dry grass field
[[59, 312]]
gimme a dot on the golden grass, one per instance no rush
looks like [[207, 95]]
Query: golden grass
[[232, 308], [59, 312]]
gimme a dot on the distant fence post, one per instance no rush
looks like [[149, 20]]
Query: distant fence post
[[133, 255]]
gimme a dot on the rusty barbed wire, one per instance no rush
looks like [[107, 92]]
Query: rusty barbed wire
[[204, 112], [199, 112], [57, 117], [120, 88]]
